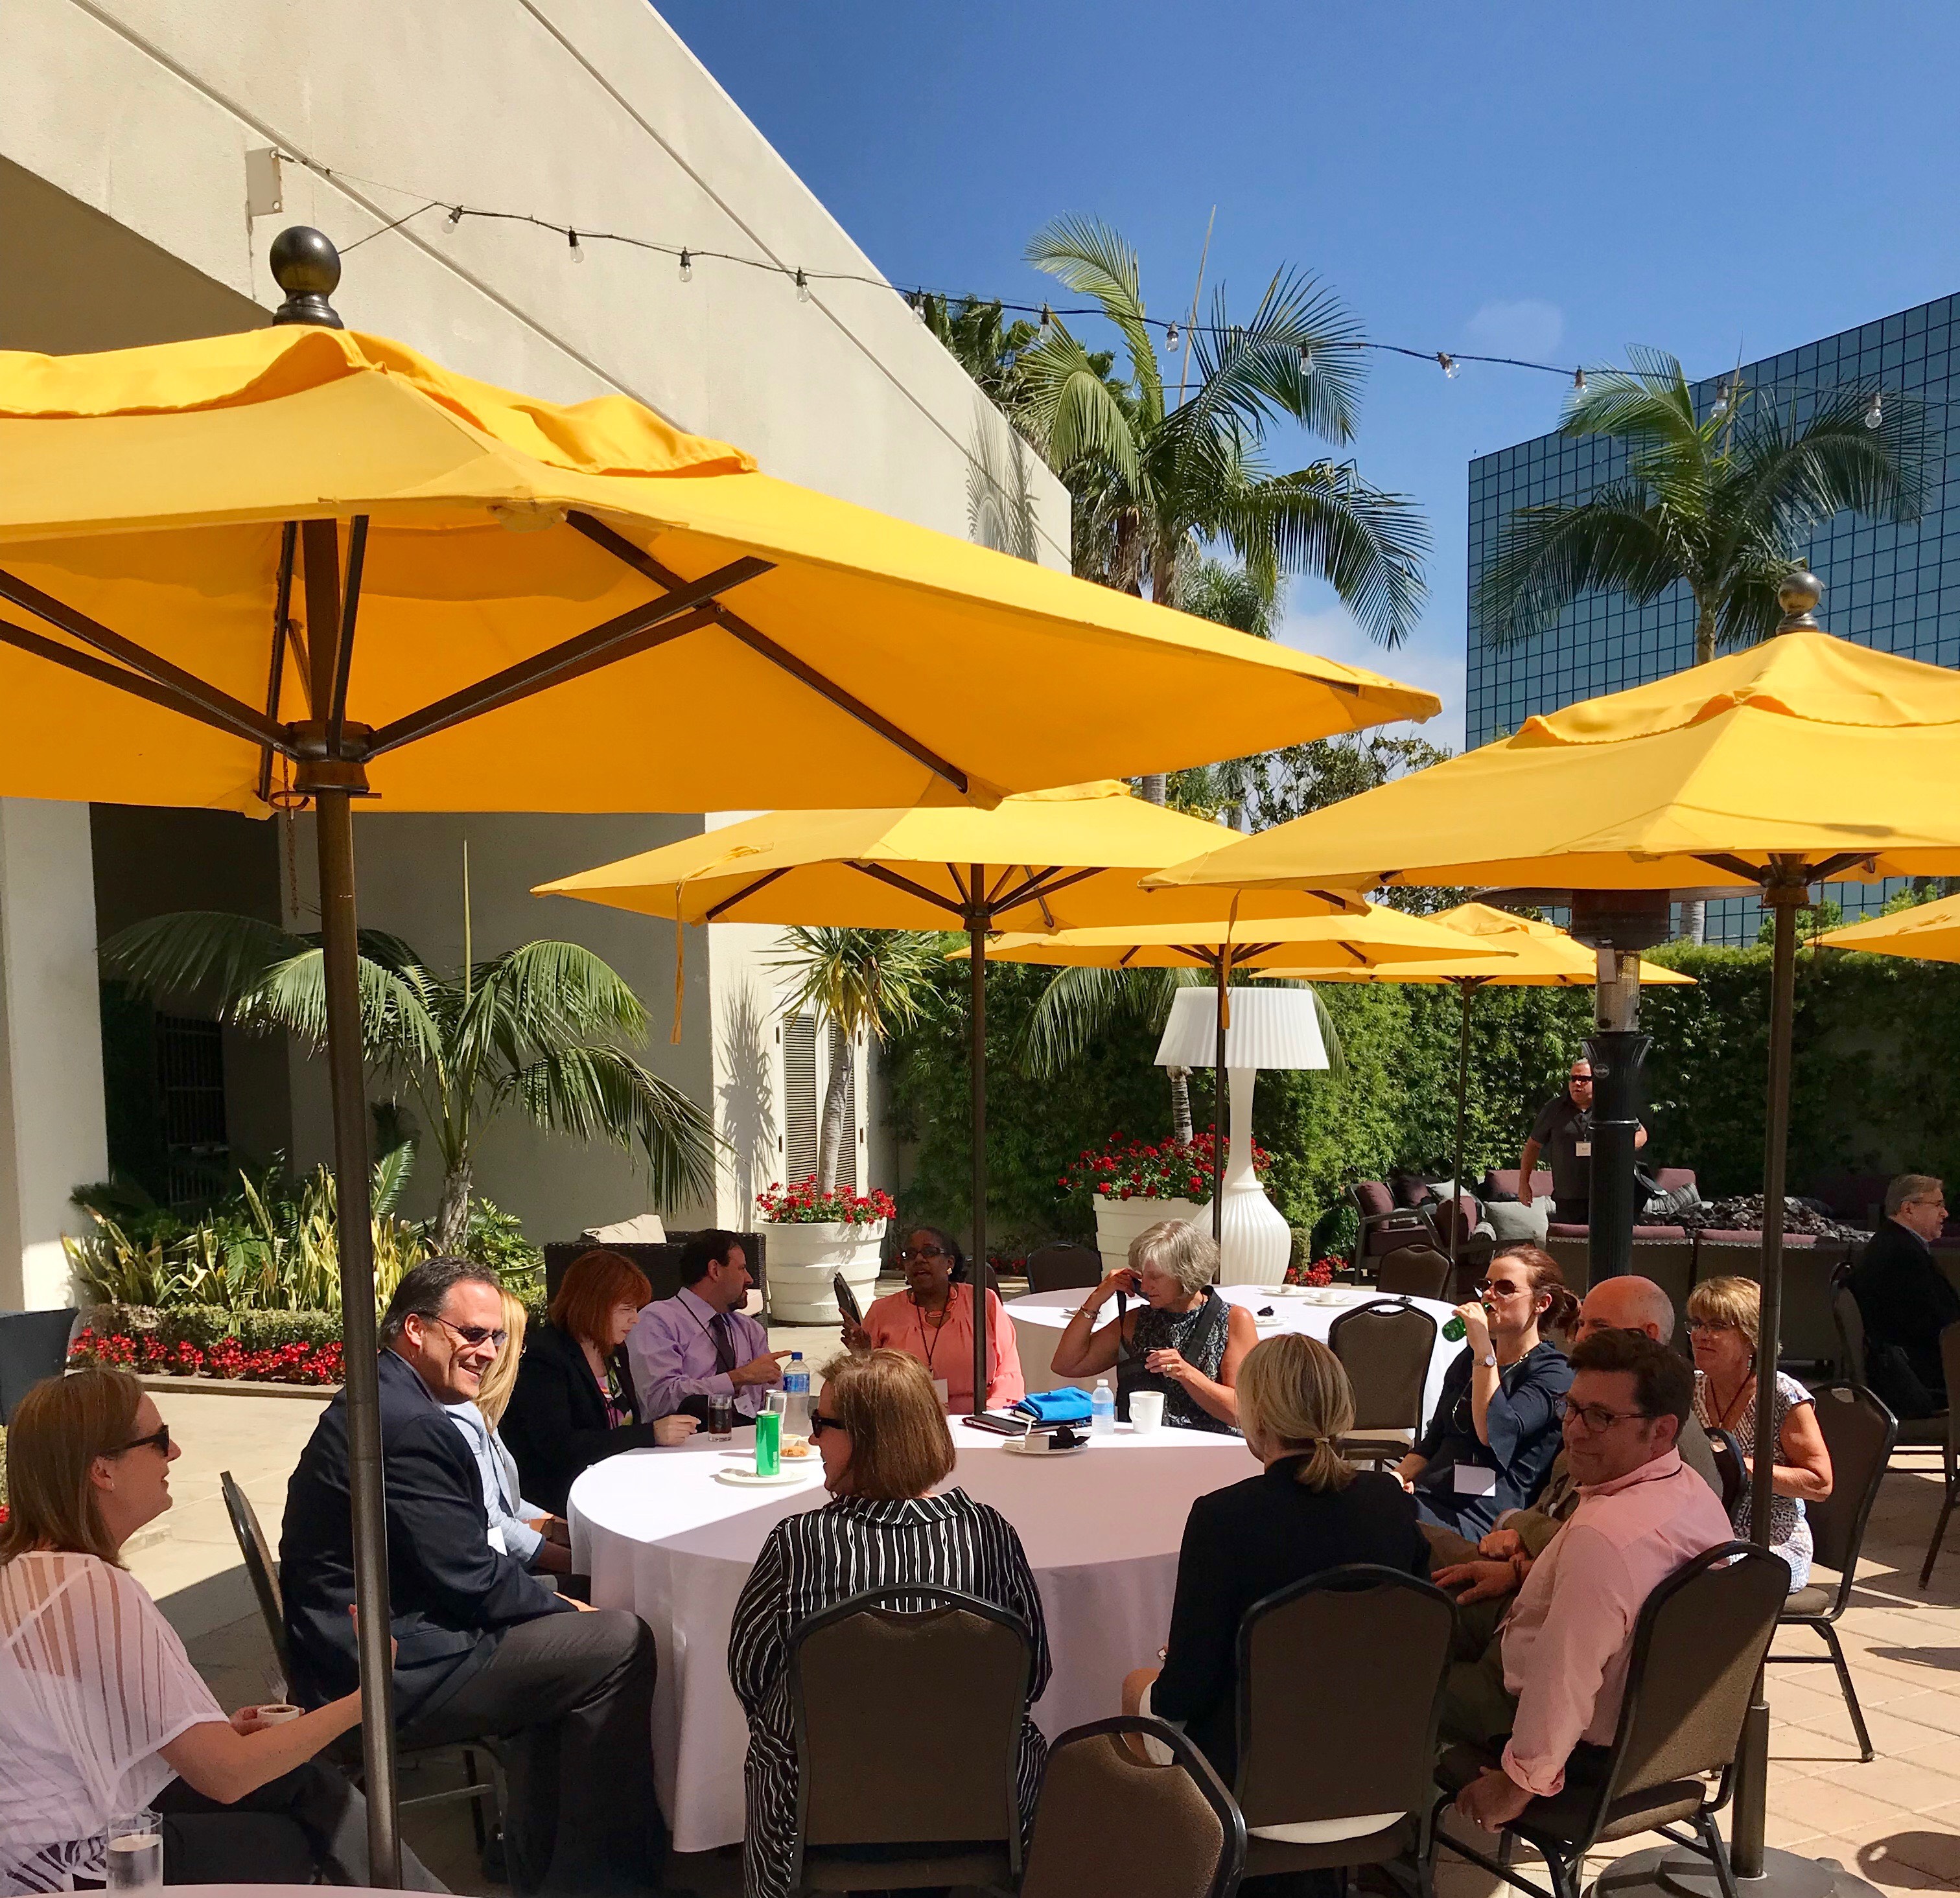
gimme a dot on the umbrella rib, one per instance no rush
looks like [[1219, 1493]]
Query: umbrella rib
[[742, 896], [1039, 889], [343, 656], [138, 686], [602, 646], [231, 713], [911, 888], [1734, 865], [289, 536], [760, 643]]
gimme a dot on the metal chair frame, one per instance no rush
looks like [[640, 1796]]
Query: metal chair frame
[[1949, 1353], [1356, 1445], [1565, 1858]]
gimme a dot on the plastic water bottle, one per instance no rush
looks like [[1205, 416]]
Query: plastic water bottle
[[1102, 1410], [796, 1388]]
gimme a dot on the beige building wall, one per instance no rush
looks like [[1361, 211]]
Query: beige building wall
[[125, 217]]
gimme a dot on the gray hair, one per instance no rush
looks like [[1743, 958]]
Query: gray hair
[[1188, 1253], [1907, 1188], [424, 1288]]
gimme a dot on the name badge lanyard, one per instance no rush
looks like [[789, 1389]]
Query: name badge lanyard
[[723, 1345]]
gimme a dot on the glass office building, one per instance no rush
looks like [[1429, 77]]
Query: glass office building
[[1895, 588]]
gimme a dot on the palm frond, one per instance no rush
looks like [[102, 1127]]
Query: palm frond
[[1076, 415], [1650, 406], [397, 1024], [1547, 556], [1299, 354], [1080, 1006], [873, 982], [209, 953], [391, 1177], [1093, 260], [604, 1094]]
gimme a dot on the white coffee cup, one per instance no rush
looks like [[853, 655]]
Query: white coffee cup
[[1146, 1411], [278, 1713]]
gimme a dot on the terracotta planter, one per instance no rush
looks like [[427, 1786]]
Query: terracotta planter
[[1118, 1222], [804, 1256]]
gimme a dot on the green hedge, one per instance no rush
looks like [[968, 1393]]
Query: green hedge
[[1876, 1087], [203, 1325]]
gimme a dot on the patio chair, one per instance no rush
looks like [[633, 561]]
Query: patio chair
[[1109, 1821], [1063, 1266], [1414, 1272], [1914, 1433], [1339, 1687], [263, 1573], [1699, 1641], [34, 1345], [1729, 1468], [1859, 1432], [1949, 1360], [1386, 1227], [1385, 1347], [879, 1766]]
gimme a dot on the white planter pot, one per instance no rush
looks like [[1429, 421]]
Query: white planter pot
[[1118, 1222], [803, 1257]]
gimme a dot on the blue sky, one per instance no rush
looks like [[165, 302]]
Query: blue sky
[[1716, 179]]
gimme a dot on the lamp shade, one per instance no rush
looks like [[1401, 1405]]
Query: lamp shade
[[1270, 1028]]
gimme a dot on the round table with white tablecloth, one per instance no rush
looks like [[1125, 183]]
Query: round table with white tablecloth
[[1040, 1318], [1102, 1529]]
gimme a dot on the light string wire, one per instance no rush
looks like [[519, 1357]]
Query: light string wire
[[915, 297]]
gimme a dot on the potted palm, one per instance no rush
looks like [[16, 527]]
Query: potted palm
[[813, 1235]]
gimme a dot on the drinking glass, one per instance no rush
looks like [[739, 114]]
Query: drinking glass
[[720, 1419], [135, 1856]]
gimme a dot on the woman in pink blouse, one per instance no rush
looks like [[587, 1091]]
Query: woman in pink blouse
[[932, 1320]]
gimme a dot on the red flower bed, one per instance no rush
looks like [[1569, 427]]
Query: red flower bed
[[1321, 1272], [147, 1354], [800, 1204], [1127, 1169]]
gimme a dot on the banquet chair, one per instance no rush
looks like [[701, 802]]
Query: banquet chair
[[34, 1345], [263, 1573], [1914, 1433], [1413, 1272], [1109, 1821], [1701, 1637], [1859, 1431], [1385, 1347], [879, 1766], [1949, 1361], [1062, 1265], [1344, 1670]]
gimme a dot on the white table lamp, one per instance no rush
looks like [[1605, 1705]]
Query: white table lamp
[[1271, 1028]]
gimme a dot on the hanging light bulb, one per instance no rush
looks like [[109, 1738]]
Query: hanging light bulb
[[577, 252], [1170, 335], [1875, 416], [1578, 382], [1449, 365], [1047, 317], [1722, 401], [917, 300], [1306, 359], [454, 218], [803, 286], [687, 266]]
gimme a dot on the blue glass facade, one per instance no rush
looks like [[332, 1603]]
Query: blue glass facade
[[1895, 588]]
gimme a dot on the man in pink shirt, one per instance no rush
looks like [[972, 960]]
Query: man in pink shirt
[[1553, 1679]]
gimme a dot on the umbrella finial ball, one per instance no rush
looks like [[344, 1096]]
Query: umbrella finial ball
[[1799, 592], [306, 267]]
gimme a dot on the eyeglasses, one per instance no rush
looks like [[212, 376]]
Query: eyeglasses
[[1501, 1288], [1580, 1080], [907, 1254], [475, 1333], [1593, 1417], [1706, 1328], [820, 1424], [158, 1439]]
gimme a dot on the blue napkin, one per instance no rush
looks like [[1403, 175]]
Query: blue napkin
[[1068, 1405]]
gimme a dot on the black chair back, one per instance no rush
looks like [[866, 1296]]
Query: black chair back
[[1109, 1821], [1385, 1347], [260, 1566], [879, 1760], [1345, 1669], [1729, 1468], [1063, 1266], [1413, 1272], [660, 1262], [34, 1345], [1850, 1324], [1859, 1431]]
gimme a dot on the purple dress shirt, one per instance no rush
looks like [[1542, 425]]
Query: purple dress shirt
[[671, 1350]]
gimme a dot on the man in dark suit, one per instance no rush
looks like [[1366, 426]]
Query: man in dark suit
[[1904, 1299], [483, 1648]]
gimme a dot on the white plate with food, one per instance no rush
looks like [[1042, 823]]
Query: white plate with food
[[1037, 1446]]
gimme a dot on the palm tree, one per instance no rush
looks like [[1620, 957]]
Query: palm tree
[[1158, 475], [863, 982], [1722, 503], [540, 1029], [987, 348]]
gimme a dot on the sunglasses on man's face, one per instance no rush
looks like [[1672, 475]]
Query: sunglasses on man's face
[[475, 1334], [158, 1439]]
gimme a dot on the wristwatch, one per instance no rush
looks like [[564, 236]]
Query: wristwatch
[[1490, 1360]]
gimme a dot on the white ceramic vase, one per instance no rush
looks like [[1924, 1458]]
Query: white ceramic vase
[[804, 1256], [1118, 1222], [1255, 1242]]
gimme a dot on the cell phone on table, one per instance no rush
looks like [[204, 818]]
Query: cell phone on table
[[1002, 1423], [847, 1301]]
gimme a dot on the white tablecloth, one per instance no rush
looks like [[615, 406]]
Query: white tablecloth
[[1040, 1318], [1101, 1530]]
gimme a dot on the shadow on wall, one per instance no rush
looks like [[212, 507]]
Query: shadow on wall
[[1000, 496], [747, 1099]]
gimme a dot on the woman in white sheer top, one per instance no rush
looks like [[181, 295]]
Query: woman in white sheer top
[[101, 1712]]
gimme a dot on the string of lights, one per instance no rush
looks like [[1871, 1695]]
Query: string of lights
[[918, 298]]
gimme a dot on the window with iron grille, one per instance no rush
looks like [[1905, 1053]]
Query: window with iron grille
[[190, 1101]]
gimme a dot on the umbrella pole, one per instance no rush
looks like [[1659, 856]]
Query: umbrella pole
[[334, 819], [1218, 1129], [1462, 1096], [976, 964]]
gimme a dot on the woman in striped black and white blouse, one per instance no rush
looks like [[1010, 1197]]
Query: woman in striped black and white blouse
[[885, 1444]]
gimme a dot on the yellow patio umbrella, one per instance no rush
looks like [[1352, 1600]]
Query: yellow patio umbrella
[[1053, 859], [300, 564], [1929, 932], [1801, 759]]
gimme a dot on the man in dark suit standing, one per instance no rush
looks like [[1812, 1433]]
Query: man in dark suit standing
[[1904, 1299], [483, 1649]]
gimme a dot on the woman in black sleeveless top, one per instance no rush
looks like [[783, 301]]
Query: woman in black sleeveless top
[[1186, 1341]]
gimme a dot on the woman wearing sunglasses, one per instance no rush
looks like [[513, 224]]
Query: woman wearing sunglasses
[[1494, 1435], [932, 1320], [101, 1712]]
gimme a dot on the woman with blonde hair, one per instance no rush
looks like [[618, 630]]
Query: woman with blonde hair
[[102, 1714], [885, 1445], [1183, 1340], [1724, 1324], [1311, 1510]]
